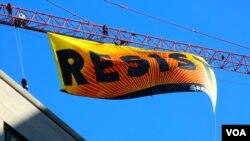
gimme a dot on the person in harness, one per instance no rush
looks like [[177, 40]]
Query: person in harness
[[9, 9], [24, 84], [105, 30]]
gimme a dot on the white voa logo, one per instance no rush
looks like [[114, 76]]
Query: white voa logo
[[236, 132]]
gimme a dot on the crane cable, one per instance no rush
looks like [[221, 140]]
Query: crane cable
[[176, 25], [70, 12], [19, 49]]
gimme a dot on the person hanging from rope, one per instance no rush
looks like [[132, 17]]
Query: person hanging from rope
[[105, 30], [24, 84], [9, 9], [20, 21]]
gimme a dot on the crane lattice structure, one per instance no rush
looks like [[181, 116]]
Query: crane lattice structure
[[41, 22]]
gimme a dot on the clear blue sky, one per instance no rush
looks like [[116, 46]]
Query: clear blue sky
[[174, 117]]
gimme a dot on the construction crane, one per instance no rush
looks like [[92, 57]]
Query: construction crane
[[41, 22]]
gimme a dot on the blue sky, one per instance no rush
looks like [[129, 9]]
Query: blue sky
[[176, 116]]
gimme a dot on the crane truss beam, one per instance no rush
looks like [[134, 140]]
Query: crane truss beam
[[42, 22]]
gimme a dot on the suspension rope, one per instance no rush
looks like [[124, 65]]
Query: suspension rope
[[176, 25], [19, 49], [215, 126]]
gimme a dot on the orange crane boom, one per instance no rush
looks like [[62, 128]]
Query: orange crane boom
[[41, 22]]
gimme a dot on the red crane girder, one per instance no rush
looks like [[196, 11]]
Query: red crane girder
[[42, 22]]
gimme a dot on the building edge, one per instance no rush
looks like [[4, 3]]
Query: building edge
[[40, 106]]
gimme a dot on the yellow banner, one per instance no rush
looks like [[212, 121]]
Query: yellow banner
[[103, 70]]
